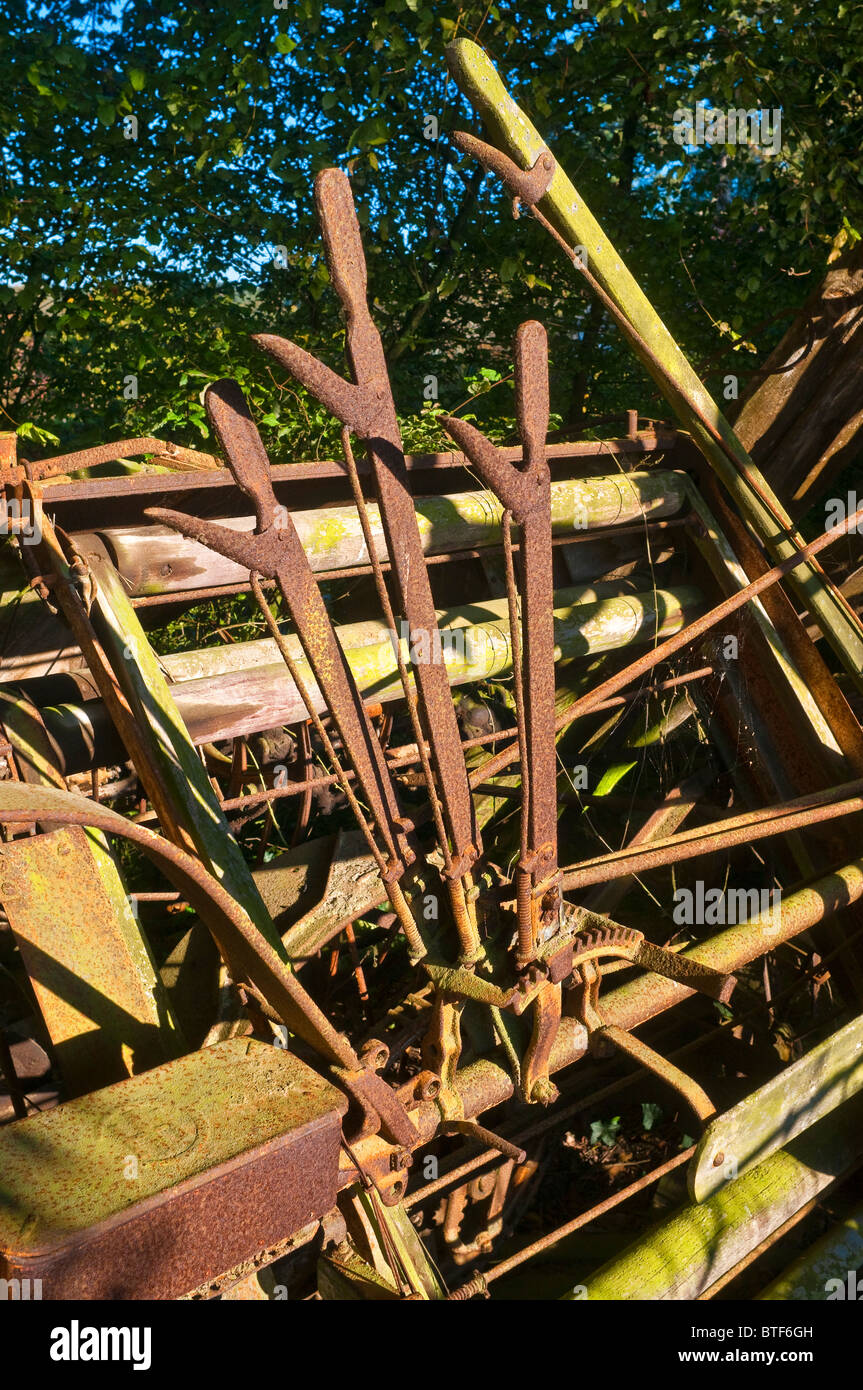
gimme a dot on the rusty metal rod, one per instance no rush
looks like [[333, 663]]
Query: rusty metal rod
[[471, 1130], [124, 448], [585, 704], [802, 811], [661, 438], [397, 898], [479, 1283], [455, 884], [404, 757]]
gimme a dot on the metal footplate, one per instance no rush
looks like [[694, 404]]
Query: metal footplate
[[155, 1186]]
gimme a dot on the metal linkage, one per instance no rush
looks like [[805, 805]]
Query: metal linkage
[[275, 551], [367, 408]]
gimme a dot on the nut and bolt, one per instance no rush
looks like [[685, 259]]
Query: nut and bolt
[[401, 1158]]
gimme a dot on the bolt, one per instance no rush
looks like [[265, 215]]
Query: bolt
[[544, 1092], [428, 1088], [401, 1158], [374, 1054]]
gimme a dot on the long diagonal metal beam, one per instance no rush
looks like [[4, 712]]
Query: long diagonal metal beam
[[527, 166]]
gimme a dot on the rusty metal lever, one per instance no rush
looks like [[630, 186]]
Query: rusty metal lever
[[276, 551], [525, 493]]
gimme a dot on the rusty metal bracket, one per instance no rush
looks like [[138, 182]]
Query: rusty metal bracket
[[604, 938], [525, 186], [697, 1098]]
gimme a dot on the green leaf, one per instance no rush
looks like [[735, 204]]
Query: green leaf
[[650, 1114], [107, 113], [372, 132], [604, 1132], [138, 79], [284, 44], [28, 430], [610, 778], [449, 283]]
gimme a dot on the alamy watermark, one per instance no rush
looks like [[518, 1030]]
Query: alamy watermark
[[720, 907], [22, 519], [77, 1343], [760, 126], [467, 646], [838, 509], [850, 1288], [20, 1290]]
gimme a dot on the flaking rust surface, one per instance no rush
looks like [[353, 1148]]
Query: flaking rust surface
[[74, 1167]]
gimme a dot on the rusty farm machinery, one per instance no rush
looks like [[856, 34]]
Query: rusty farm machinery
[[347, 1066]]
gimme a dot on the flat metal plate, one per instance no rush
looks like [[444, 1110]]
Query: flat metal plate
[[103, 1003], [154, 1186]]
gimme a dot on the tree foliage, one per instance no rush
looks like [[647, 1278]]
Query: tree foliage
[[156, 198]]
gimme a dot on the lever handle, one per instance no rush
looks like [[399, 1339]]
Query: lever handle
[[531, 390], [334, 202], [247, 458], [238, 546]]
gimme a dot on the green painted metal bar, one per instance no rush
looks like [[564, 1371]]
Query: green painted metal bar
[[194, 803]]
